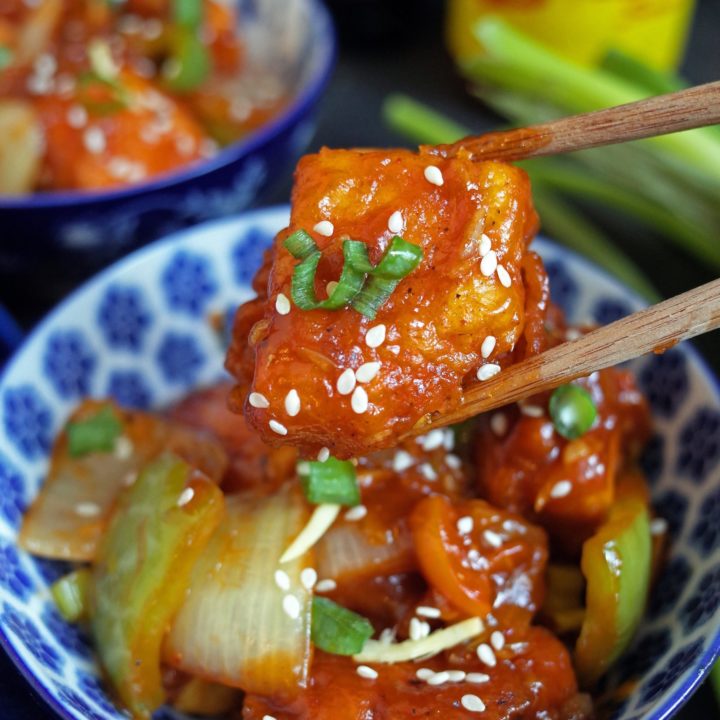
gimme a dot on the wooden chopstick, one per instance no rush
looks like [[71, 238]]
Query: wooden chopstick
[[654, 329], [661, 115]]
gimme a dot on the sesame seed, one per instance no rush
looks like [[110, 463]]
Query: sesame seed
[[449, 440], [367, 372], [485, 245], [658, 526], [356, 513], [258, 400], [489, 263], [419, 629], [292, 403], [277, 427], [572, 334], [402, 461], [434, 175], [325, 586], [87, 509], [561, 489], [324, 227], [375, 336], [394, 349], [499, 424], [465, 525], [308, 578], [477, 678], [497, 640], [323, 454], [438, 678], [427, 611], [303, 467], [282, 580], [488, 345], [453, 461], [424, 674], [472, 703], [359, 401], [395, 223], [485, 372], [366, 672], [504, 276], [77, 116], [346, 382], [493, 539], [291, 607], [94, 140], [534, 411], [185, 496], [456, 675], [282, 304], [269, 717], [428, 472], [433, 440], [486, 655], [330, 287], [387, 636], [123, 449]]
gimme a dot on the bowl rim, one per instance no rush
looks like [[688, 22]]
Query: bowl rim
[[666, 710], [305, 98]]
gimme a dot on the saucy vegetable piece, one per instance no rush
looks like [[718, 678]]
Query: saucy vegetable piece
[[616, 563], [142, 572], [478, 557], [111, 445], [246, 620], [336, 379], [536, 682]]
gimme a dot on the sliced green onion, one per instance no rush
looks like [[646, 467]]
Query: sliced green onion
[[96, 434], [300, 244], [188, 13], [349, 284], [366, 295], [6, 56], [333, 481], [190, 63], [70, 594], [374, 295], [336, 629], [399, 260], [572, 411]]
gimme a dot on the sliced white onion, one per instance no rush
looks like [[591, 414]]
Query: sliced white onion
[[68, 517], [344, 552], [236, 627]]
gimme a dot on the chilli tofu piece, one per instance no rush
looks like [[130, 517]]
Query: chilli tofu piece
[[354, 378]]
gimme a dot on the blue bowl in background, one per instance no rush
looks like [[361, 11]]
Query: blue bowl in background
[[10, 335], [63, 236]]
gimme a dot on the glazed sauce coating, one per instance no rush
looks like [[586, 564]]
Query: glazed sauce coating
[[532, 679], [427, 337]]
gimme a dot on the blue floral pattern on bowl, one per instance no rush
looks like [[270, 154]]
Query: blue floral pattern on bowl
[[154, 361]]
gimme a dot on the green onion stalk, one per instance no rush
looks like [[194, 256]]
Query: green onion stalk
[[669, 184]]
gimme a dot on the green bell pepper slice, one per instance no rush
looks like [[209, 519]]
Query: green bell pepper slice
[[159, 528], [616, 563]]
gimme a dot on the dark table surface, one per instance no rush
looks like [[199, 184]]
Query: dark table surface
[[395, 46]]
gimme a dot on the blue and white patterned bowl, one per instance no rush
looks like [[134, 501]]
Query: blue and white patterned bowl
[[81, 231], [140, 331]]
